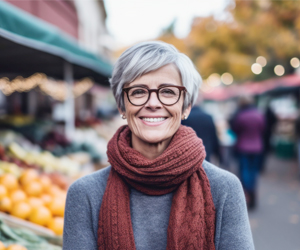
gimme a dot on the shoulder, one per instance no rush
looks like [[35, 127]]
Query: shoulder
[[91, 182], [219, 178], [224, 185], [232, 223]]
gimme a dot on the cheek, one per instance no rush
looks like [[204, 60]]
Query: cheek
[[178, 110], [176, 116], [130, 113]]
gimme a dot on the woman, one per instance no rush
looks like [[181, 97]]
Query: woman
[[159, 193], [249, 124]]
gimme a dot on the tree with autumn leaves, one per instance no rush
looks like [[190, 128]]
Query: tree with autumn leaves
[[254, 28]]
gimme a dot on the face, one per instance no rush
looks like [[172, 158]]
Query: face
[[140, 120]]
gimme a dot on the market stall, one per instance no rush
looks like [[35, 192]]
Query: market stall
[[29, 45], [37, 163]]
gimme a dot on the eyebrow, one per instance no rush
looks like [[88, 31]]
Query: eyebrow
[[159, 86]]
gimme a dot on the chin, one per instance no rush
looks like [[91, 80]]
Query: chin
[[155, 137]]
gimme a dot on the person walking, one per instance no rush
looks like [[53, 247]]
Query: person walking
[[248, 124], [203, 124], [159, 192]]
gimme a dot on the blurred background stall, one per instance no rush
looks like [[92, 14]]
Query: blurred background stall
[[54, 69]]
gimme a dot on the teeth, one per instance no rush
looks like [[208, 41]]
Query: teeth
[[154, 119]]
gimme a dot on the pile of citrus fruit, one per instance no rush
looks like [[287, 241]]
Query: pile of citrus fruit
[[33, 197], [12, 247]]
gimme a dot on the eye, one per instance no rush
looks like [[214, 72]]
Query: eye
[[138, 92], [168, 91]]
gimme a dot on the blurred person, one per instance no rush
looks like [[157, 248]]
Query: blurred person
[[159, 192], [270, 120], [203, 124], [248, 124]]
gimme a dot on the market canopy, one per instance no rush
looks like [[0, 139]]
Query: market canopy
[[29, 45], [270, 86]]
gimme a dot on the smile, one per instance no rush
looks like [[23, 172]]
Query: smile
[[153, 119]]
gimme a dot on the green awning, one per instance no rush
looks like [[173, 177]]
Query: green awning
[[29, 45]]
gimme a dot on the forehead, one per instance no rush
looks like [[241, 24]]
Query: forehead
[[166, 74]]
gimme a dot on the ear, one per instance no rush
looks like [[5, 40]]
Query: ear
[[186, 112]]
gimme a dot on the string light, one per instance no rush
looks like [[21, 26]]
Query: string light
[[279, 70], [227, 78], [20, 84], [295, 62], [256, 68], [261, 60], [56, 89], [214, 80]]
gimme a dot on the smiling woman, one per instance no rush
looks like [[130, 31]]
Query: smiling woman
[[159, 192], [152, 121]]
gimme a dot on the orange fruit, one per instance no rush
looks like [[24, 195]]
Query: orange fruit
[[2, 247], [9, 181], [3, 193], [63, 195], [35, 202], [16, 247], [33, 188], [17, 196], [47, 199], [57, 206], [28, 176], [21, 210], [5, 204], [57, 225], [45, 181], [40, 215], [54, 190]]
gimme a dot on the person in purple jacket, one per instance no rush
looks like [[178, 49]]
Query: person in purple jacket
[[248, 124]]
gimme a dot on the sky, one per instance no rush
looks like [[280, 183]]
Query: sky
[[131, 21]]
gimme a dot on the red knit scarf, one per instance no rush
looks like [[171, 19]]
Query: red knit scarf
[[179, 169]]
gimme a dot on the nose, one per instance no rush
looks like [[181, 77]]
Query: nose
[[153, 101]]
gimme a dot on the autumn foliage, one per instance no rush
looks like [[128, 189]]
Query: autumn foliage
[[252, 28]]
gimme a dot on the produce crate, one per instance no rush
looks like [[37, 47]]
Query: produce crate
[[15, 222]]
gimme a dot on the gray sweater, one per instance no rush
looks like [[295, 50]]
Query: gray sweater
[[150, 214]]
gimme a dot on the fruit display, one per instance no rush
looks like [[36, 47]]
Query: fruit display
[[22, 239], [53, 143], [43, 142], [48, 162], [34, 197], [8, 167]]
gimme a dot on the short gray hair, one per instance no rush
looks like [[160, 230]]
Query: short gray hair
[[145, 57]]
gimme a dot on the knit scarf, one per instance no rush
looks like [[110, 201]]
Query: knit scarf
[[179, 169]]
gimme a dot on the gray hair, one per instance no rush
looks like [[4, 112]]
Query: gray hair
[[145, 57]]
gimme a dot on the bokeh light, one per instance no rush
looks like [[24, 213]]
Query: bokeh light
[[214, 80], [279, 70], [295, 62], [227, 78], [256, 68], [205, 87], [261, 60]]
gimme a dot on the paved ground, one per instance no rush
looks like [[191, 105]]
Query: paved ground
[[275, 222]]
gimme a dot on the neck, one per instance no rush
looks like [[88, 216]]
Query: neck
[[149, 150]]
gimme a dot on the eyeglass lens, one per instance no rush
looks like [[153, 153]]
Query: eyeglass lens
[[167, 95]]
